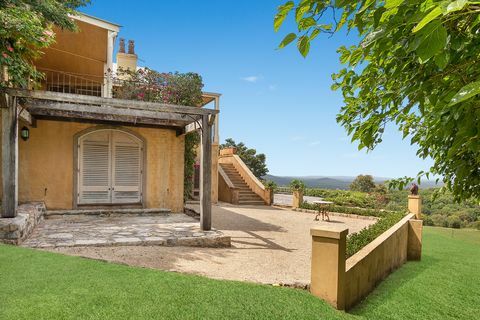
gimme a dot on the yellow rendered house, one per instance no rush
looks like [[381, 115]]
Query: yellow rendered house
[[70, 145]]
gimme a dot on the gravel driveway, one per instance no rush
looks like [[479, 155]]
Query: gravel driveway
[[269, 245]]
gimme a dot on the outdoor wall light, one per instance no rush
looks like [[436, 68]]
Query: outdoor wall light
[[25, 133]]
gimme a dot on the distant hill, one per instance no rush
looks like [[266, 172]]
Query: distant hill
[[334, 182]]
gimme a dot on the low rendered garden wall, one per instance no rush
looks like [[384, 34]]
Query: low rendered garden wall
[[344, 282], [365, 269]]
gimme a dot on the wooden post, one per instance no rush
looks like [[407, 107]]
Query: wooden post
[[206, 176], [9, 156]]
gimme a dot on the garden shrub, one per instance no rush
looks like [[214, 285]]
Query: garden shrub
[[454, 222], [357, 241], [344, 197], [347, 210]]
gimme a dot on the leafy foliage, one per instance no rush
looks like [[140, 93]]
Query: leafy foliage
[[344, 197], [363, 183], [348, 210], [297, 185], [270, 185], [358, 240], [438, 210], [149, 85], [415, 66], [192, 140], [26, 29], [255, 162], [171, 88]]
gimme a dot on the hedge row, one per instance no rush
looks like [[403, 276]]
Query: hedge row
[[344, 197], [357, 241], [348, 210]]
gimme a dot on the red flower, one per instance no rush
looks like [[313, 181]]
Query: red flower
[[5, 55], [9, 48]]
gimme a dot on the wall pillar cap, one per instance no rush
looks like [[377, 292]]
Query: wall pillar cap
[[228, 151], [331, 232], [413, 196]]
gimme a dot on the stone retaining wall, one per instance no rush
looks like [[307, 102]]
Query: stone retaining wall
[[15, 230]]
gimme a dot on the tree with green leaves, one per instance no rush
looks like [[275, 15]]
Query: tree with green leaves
[[255, 162], [363, 183], [415, 66], [25, 30]]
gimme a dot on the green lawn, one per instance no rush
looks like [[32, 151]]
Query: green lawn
[[41, 285]]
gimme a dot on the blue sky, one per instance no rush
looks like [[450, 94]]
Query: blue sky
[[273, 100]]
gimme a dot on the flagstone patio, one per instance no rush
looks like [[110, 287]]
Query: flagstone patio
[[124, 230]]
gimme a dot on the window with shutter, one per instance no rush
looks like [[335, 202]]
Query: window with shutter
[[110, 168]]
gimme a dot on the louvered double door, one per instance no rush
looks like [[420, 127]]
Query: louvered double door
[[110, 168]]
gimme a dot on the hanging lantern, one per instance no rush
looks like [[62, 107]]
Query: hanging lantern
[[25, 133]]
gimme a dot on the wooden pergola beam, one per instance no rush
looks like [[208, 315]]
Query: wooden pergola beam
[[100, 101], [206, 175], [9, 156], [107, 113], [25, 116]]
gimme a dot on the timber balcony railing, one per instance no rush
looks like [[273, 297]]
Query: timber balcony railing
[[64, 82]]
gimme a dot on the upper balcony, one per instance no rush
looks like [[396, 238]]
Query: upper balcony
[[65, 82]]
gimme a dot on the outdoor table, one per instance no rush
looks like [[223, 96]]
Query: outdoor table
[[322, 209]]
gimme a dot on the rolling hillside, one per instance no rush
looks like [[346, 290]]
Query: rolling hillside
[[326, 182]]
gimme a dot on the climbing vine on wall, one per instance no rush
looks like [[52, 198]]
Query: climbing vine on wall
[[191, 142], [172, 88]]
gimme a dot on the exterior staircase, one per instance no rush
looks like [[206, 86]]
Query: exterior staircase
[[246, 195]]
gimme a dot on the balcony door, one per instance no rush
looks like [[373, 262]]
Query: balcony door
[[109, 168]]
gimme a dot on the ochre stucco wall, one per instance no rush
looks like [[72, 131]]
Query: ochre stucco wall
[[46, 165], [375, 262]]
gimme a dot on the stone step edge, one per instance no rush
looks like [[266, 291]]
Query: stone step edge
[[216, 239], [107, 212]]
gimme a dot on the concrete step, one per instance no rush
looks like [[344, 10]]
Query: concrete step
[[251, 202], [106, 212]]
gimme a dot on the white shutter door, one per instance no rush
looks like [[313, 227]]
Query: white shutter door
[[94, 168], [127, 169]]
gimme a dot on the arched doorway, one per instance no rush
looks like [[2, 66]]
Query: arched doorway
[[110, 168]]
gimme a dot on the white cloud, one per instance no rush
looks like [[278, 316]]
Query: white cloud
[[251, 79], [272, 87], [315, 143]]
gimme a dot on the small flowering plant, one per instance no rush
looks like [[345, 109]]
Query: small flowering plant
[[172, 88], [149, 85]]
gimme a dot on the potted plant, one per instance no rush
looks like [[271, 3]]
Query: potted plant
[[270, 187], [297, 187]]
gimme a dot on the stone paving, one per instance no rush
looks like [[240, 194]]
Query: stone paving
[[124, 230]]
